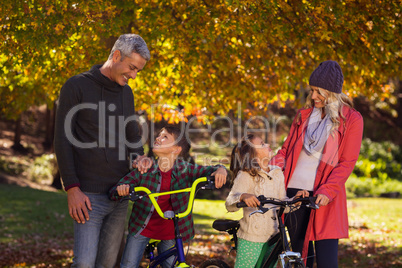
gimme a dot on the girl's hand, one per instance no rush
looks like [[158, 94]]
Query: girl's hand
[[322, 200], [123, 190], [220, 177], [250, 200], [302, 193]]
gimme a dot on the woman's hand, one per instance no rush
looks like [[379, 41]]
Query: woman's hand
[[322, 200], [123, 190], [250, 200]]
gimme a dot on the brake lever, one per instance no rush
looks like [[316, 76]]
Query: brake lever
[[210, 185], [133, 196], [261, 210], [315, 206], [312, 205]]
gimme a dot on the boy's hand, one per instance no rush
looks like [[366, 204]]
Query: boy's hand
[[123, 190], [220, 177], [250, 200], [142, 163]]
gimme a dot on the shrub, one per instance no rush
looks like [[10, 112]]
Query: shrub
[[377, 171], [42, 169], [365, 187], [380, 160], [13, 165]]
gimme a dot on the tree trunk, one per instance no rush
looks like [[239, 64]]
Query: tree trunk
[[17, 136], [49, 134], [399, 103], [17, 132], [50, 123], [57, 181]]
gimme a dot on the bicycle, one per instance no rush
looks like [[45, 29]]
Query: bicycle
[[177, 250], [281, 252]]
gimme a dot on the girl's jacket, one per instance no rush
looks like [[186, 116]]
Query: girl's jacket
[[338, 159], [259, 227]]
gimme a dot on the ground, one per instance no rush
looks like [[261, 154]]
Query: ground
[[57, 251]]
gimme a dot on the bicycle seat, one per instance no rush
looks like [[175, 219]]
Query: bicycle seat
[[224, 225]]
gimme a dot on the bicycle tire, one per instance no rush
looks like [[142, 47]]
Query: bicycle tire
[[299, 264], [214, 263]]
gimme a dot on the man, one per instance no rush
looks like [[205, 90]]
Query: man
[[95, 136]]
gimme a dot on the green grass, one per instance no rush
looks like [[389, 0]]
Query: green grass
[[30, 217], [375, 224], [206, 211], [28, 212], [375, 233], [380, 215]]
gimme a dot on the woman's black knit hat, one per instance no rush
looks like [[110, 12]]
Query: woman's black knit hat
[[328, 75]]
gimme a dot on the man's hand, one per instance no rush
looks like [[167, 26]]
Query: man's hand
[[123, 190], [220, 177], [142, 163], [322, 200], [78, 205], [250, 200]]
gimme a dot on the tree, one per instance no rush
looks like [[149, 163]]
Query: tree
[[207, 56]]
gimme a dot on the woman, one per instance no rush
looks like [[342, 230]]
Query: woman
[[319, 155]]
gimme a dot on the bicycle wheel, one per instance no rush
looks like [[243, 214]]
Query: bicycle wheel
[[214, 263]]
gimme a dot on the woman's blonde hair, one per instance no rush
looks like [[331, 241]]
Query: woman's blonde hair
[[334, 103]]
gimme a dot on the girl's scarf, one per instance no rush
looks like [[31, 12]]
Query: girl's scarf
[[317, 132]]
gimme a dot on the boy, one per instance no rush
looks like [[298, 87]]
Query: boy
[[169, 173]]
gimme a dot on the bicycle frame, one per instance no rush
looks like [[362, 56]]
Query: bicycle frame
[[281, 250], [177, 250]]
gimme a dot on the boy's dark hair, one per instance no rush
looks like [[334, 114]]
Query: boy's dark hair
[[180, 140], [243, 157]]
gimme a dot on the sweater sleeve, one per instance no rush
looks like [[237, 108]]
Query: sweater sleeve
[[242, 184], [64, 127], [197, 171]]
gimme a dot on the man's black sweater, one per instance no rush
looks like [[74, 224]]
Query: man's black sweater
[[95, 132]]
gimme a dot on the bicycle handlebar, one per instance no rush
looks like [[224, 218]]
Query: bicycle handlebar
[[134, 196], [309, 201]]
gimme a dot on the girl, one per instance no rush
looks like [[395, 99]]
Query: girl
[[253, 177]]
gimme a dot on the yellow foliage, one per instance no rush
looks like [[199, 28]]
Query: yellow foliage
[[203, 55]]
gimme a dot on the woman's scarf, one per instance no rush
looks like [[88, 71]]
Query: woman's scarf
[[317, 132]]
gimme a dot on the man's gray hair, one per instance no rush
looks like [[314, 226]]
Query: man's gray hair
[[129, 43]]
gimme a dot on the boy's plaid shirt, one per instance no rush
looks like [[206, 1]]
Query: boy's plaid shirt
[[183, 175]]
